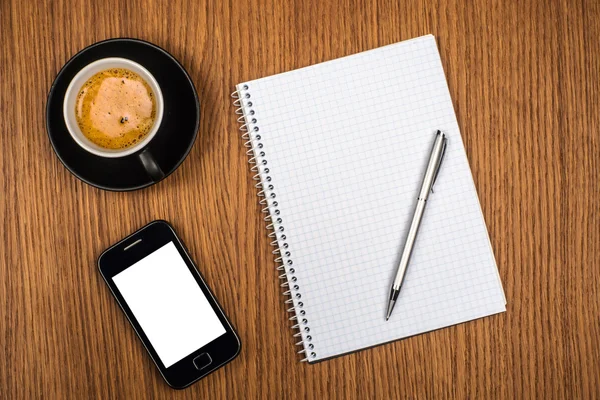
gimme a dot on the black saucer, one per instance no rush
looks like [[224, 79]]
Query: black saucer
[[176, 134]]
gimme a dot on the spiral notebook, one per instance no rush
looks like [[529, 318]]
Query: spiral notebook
[[338, 152]]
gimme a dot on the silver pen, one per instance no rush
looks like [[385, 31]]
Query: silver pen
[[433, 167]]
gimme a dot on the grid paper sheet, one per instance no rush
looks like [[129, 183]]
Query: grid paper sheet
[[347, 142]]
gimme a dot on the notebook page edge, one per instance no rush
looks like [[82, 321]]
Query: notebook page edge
[[401, 43], [473, 184], [318, 360]]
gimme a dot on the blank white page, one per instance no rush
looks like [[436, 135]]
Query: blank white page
[[346, 144]]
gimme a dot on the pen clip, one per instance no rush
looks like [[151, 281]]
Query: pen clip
[[439, 164]]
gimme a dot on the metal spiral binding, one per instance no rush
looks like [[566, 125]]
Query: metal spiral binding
[[266, 191]]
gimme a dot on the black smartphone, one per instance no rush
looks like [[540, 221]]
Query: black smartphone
[[169, 305]]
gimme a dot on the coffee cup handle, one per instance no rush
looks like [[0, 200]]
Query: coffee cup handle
[[151, 166]]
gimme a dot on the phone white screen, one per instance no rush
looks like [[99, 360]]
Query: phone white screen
[[168, 304]]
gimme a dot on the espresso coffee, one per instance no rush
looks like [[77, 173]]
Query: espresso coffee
[[115, 108]]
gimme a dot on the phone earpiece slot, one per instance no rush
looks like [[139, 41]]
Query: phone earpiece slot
[[132, 244]]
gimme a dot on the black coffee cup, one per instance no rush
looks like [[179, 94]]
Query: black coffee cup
[[69, 104]]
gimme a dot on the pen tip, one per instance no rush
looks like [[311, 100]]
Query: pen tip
[[390, 308]]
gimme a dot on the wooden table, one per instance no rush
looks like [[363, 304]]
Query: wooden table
[[525, 80]]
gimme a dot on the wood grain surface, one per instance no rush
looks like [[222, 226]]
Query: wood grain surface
[[525, 81]]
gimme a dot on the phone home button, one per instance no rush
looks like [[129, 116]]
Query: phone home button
[[202, 361]]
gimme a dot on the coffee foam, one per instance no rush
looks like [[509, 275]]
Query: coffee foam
[[115, 108]]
